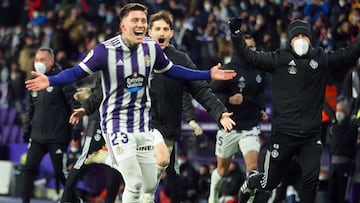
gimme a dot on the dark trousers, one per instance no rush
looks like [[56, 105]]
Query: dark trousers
[[173, 178], [35, 155], [278, 156], [93, 142], [339, 181]]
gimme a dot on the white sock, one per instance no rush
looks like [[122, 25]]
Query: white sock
[[215, 185], [149, 197]]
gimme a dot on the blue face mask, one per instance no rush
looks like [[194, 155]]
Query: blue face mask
[[49, 32], [243, 6], [102, 14], [283, 41], [109, 18]]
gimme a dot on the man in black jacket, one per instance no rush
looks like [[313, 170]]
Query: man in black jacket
[[46, 125], [167, 97], [299, 77]]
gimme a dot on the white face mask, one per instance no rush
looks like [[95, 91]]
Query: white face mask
[[40, 67], [74, 149], [342, 3], [339, 116], [207, 7], [301, 46]]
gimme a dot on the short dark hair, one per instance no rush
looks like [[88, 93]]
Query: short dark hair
[[132, 7], [162, 15]]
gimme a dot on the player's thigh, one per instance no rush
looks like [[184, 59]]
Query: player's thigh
[[226, 143]]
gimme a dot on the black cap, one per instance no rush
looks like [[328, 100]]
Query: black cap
[[299, 27]]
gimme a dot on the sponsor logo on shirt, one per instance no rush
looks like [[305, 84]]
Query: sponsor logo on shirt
[[145, 148], [134, 82]]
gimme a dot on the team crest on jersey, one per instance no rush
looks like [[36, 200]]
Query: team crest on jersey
[[34, 94], [258, 78], [147, 60], [314, 64], [88, 56], [274, 153], [134, 82], [50, 89], [119, 150], [97, 136]]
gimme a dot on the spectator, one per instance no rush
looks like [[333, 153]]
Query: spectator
[[204, 183], [188, 179]]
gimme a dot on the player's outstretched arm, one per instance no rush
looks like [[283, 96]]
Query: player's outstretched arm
[[178, 72], [218, 74]]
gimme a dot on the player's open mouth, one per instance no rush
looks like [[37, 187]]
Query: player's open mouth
[[161, 40], [139, 33]]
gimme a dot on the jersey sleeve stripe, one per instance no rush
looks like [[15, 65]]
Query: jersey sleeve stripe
[[86, 68]]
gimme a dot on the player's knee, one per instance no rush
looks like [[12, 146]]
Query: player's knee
[[134, 184], [137, 185]]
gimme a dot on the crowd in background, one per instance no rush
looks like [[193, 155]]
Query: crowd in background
[[72, 27]]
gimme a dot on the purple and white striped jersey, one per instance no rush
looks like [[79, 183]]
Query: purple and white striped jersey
[[125, 77]]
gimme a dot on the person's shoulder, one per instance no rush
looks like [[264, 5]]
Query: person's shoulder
[[111, 42], [149, 40], [316, 51], [174, 50]]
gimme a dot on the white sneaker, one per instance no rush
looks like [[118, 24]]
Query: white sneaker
[[98, 157]]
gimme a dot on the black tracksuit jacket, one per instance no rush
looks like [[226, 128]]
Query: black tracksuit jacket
[[48, 112], [167, 97], [298, 83]]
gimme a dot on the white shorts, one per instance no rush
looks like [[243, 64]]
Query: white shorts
[[123, 145], [229, 143]]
